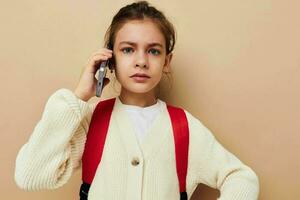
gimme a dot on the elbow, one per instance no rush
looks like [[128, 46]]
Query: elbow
[[38, 173], [250, 183], [23, 181], [25, 174], [253, 177], [32, 177], [26, 177], [37, 181], [244, 178], [242, 184], [253, 184], [21, 176]]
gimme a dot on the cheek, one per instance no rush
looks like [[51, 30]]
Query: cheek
[[160, 60], [157, 64], [157, 72], [122, 61]]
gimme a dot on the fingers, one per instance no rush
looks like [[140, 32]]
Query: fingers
[[99, 58], [100, 55], [103, 51], [88, 82]]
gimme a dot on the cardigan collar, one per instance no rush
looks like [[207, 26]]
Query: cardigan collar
[[154, 106], [156, 134]]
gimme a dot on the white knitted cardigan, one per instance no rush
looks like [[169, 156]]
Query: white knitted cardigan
[[54, 150]]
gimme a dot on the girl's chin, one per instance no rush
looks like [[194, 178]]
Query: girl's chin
[[139, 89]]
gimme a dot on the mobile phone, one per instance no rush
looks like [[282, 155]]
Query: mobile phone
[[101, 76], [102, 72]]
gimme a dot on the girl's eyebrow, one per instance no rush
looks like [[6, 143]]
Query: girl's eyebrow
[[134, 44]]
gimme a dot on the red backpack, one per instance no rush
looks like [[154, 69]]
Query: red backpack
[[96, 138]]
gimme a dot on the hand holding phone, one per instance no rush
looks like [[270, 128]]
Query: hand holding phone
[[102, 73], [88, 84]]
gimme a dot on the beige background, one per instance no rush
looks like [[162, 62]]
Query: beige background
[[236, 67]]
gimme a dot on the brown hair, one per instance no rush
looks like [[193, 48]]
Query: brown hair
[[140, 10]]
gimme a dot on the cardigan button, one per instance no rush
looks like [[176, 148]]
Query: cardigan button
[[135, 162]]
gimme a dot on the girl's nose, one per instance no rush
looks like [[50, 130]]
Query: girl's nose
[[143, 66], [141, 60]]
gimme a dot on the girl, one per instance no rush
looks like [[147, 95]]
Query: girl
[[138, 160]]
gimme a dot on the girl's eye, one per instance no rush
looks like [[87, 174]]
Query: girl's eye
[[154, 51], [127, 50]]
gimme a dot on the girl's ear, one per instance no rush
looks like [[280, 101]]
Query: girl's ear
[[167, 66]]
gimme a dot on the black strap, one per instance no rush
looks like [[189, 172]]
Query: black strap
[[84, 191], [85, 187], [183, 196]]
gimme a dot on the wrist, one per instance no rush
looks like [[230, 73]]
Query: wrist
[[81, 96]]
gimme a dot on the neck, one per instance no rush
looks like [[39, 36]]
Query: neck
[[137, 99]]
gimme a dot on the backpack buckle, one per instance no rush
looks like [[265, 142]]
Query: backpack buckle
[[183, 196], [84, 191]]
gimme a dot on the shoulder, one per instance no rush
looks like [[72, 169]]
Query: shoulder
[[202, 142], [193, 121], [195, 124], [198, 131]]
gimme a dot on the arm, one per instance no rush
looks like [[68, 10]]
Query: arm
[[54, 149], [216, 167]]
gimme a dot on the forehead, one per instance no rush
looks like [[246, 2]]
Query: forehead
[[140, 31]]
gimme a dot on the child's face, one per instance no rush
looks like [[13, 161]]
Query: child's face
[[134, 54]]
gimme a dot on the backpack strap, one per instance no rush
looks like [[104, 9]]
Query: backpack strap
[[95, 144], [97, 135], [181, 141]]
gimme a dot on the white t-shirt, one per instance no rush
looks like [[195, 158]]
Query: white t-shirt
[[143, 117]]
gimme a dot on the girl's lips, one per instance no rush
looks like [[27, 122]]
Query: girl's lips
[[140, 75], [140, 79]]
